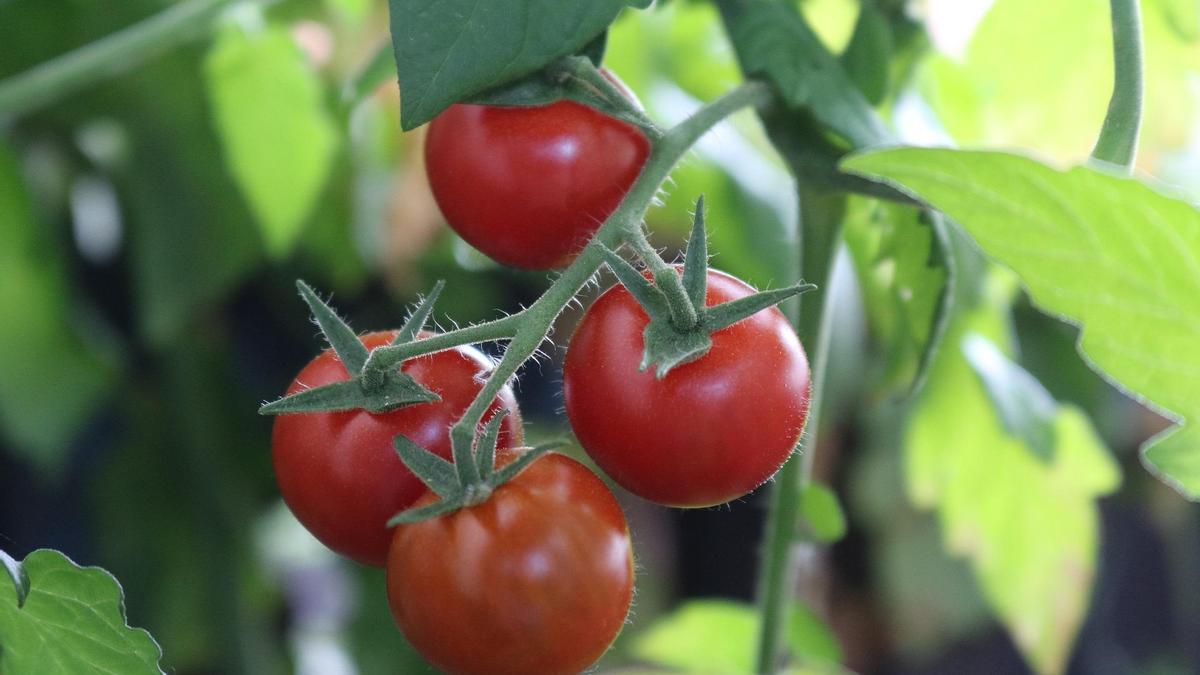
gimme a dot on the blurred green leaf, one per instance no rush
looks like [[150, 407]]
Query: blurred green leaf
[[822, 513], [717, 636], [73, 621], [1051, 93], [1026, 409], [1030, 528], [51, 379], [867, 57], [903, 275], [449, 50], [1104, 251], [278, 137]]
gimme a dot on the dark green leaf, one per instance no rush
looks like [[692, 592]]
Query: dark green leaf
[[594, 50], [341, 337], [695, 264], [72, 621], [867, 58], [822, 513], [416, 321], [773, 40], [1024, 406], [450, 50], [436, 473]]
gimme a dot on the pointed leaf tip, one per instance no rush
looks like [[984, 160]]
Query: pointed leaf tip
[[420, 316], [695, 264], [352, 352], [728, 313], [436, 473]]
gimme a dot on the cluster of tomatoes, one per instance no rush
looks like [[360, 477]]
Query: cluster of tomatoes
[[538, 578]]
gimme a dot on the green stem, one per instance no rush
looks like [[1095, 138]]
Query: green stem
[[820, 217], [383, 358], [1118, 140], [537, 318], [107, 57]]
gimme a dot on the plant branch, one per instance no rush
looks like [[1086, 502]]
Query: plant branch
[[1117, 144], [683, 313], [536, 320], [112, 55]]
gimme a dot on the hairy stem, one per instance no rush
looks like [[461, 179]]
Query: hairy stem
[[683, 314], [1118, 140], [537, 318], [107, 57]]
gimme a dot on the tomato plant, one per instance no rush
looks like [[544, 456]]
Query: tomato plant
[[710, 431], [528, 186], [536, 579], [338, 471]]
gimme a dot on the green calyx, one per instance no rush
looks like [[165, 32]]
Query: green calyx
[[681, 324], [371, 389], [469, 480]]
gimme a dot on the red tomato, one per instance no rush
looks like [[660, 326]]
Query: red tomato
[[339, 472], [529, 186], [537, 580], [712, 429]]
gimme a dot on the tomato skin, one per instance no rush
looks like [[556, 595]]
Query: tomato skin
[[339, 472], [713, 429], [537, 580], [529, 186]]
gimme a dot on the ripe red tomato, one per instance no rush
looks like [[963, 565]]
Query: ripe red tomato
[[537, 579], [528, 186], [339, 472], [712, 429]]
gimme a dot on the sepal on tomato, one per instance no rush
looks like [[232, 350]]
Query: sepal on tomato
[[469, 480], [376, 391], [667, 340]]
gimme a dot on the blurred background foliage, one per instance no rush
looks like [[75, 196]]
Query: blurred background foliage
[[152, 226]]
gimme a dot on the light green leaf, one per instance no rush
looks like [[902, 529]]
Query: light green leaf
[[449, 50], [822, 513], [718, 637], [73, 621], [1052, 92], [1029, 527], [1025, 408], [903, 272], [51, 380], [278, 136], [1106, 252]]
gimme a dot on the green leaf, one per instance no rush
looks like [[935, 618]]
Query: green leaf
[[773, 40], [1106, 252], [19, 578], [867, 57], [1029, 527], [822, 513], [415, 323], [1026, 409], [51, 380], [278, 137], [718, 636], [728, 313], [902, 268], [988, 97], [73, 621], [450, 50], [695, 264]]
